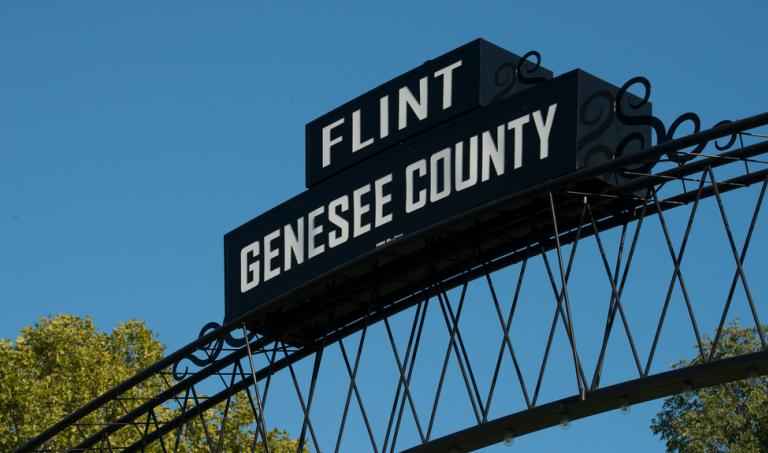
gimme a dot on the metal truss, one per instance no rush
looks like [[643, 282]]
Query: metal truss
[[419, 354]]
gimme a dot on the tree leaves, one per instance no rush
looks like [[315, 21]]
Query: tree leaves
[[62, 362], [730, 418]]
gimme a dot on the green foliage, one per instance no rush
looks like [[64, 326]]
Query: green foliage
[[61, 363], [729, 418]]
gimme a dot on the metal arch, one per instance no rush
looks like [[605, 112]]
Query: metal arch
[[601, 400], [591, 399]]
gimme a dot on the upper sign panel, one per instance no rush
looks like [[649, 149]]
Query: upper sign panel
[[441, 89]]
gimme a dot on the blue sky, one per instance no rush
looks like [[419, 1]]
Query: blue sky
[[133, 135]]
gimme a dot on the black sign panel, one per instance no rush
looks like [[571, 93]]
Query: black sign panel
[[439, 175], [453, 84]]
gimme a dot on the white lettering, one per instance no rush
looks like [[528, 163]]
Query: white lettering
[[381, 199], [407, 99], [420, 167], [247, 283], [358, 209], [270, 253], [314, 231], [328, 142], [471, 179], [493, 152], [543, 128], [444, 156], [357, 134], [294, 244], [336, 239], [383, 116], [517, 126], [447, 75]]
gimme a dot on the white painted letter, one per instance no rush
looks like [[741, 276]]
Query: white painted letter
[[328, 141], [383, 116], [517, 125], [419, 166], [270, 253], [493, 152], [335, 239], [357, 134], [471, 180], [447, 74], [294, 243], [407, 99], [358, 209], [443, 155], [381, 199], [543, 128], [313, 232], [247, 283]]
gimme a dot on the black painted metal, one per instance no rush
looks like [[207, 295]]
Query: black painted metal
[[602, 400], [217, 354]]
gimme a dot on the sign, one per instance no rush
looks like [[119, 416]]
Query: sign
[[453, 84], [477, 160]]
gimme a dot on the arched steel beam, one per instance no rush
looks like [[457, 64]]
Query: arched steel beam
[[599, 401]]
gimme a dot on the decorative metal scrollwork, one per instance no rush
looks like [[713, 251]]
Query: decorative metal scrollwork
[[212, 350], [663, 134], [731, 139], [509, 74], [598, 114]]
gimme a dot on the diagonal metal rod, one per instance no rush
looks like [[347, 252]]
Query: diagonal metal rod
[[506, 342], [310, 398], [260, 420], [251, 403], [739, 267], [392, 414], [454, 321], [402, 380], [564, 287], [675, 272], [411, 365], [612, 312], [558, 305], [734, 280], [225, 415], [307, 421], [562, 315], [681, 281], [352, 371], [157, 425], [615, 292], [180, 430], [453, 328], [202, 421], [446, 358]]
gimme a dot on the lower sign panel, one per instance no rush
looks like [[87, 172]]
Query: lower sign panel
[[339, 233]]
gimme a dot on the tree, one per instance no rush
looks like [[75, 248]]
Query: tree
[[62, 362], [729, 418]]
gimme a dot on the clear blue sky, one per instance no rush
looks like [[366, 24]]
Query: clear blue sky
[[133, 135]]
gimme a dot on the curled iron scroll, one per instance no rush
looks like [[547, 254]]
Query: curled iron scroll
[[525, 75], [731, 140], [663, 134], [211, 350], [509, 74], [596, 114], [597, 110]]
